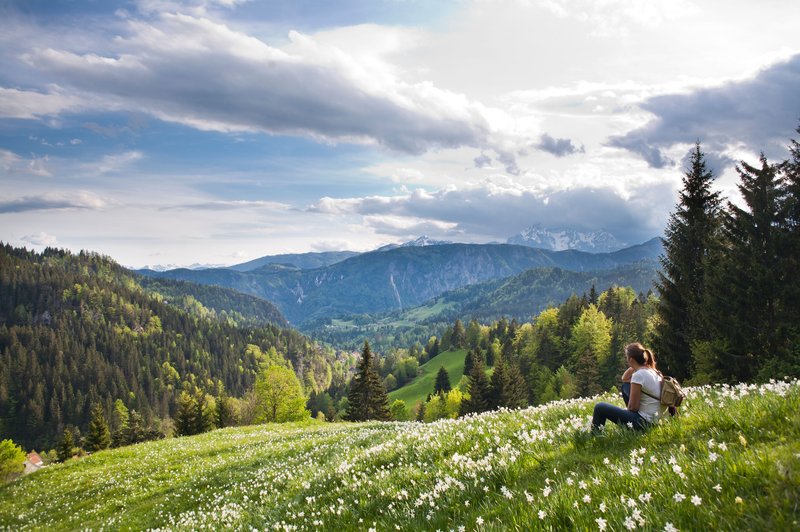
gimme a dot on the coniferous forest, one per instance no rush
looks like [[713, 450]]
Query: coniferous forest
[[79, 330]]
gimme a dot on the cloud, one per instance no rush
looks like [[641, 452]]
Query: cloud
[[492, 211], [759, 113], [40, 239], [113, 163], [11, 163], [15, 103], [557, 147], [232, 205], [612, 18], [81, 200], [204, 74]]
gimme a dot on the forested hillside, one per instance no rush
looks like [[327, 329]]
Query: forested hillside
[[518, 297], [78, 329]]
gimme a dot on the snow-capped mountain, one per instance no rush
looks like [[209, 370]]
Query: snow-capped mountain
[[559, 239], [419, 242]]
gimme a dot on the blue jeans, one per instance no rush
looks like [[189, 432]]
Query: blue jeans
[[607, 412]]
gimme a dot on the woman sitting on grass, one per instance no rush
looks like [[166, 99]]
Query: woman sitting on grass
[[641, 388]]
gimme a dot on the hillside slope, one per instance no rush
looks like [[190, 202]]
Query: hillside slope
[[732, 462], [419, 388], [79, 329]]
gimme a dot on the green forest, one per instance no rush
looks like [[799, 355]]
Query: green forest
[[79, 330]]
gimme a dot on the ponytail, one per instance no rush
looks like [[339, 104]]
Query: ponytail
[[642, 355]]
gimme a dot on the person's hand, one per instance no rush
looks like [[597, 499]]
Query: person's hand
[[626, 377]]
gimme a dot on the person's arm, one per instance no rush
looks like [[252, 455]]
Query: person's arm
[[636, 395], [626, 377]]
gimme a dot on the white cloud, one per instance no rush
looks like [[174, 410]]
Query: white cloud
[[53, 201], [170, 68], [116, 162], [15, 103], [40, 239], [11, 163], [496, 210]]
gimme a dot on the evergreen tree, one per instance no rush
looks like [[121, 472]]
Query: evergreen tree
[[592, 295], [690, 233], [66, 446], [442, 385], [99, 437], [367, 396], [517, 391], [745, 306], [588, 375], [459, 338], [469, 359], [203, 414], [137, 431], [184, 417], [499, 384], [478, 389]]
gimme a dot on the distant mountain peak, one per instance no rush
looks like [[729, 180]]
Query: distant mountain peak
[[421, 241], [560, 239]]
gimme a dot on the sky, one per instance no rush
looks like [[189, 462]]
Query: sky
[[164, 132]]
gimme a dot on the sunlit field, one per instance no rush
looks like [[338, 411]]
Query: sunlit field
[[730, 462]]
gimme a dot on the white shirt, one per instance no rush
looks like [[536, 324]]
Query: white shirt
[[649, 407]]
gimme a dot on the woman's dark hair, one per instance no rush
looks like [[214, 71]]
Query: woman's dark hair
[[642, 355]]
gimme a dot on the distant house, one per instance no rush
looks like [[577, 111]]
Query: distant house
[[33, 462]]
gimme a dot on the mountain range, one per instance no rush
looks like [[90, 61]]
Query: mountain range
[[399, 278], [560, 239]]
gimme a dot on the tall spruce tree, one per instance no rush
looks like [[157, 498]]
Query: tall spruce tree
[[517, 391], [498, 384], [367, 397], [66, 446], [185, 423], [688, 240], [478, 389], [745, 306], [99, 436], [442, 384], [791, 174]]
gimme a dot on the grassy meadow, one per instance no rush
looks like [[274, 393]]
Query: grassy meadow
[[730, 462], [418, 389]]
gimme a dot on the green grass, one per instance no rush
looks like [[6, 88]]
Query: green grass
[[730, 462], [419, 388]]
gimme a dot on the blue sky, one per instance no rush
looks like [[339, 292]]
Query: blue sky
[[217, 131]]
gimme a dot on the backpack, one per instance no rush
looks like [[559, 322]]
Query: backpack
[[671, 393]]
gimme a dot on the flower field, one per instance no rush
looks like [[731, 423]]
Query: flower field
[[730, 462]]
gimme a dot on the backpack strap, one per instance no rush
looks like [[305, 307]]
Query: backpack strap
[[662, 384]]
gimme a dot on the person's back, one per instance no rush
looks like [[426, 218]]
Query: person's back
[[650, 407]]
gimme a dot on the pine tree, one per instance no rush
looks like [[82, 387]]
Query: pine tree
[[442, 385], [99, 437], [469, 359], [459, 338], [498, 392], [588, 375], [203, 415], [184, 418], [517, 391], [744, 306], [137, 431], [478, 389], [66, 446], [690, 234], [367, 396]]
